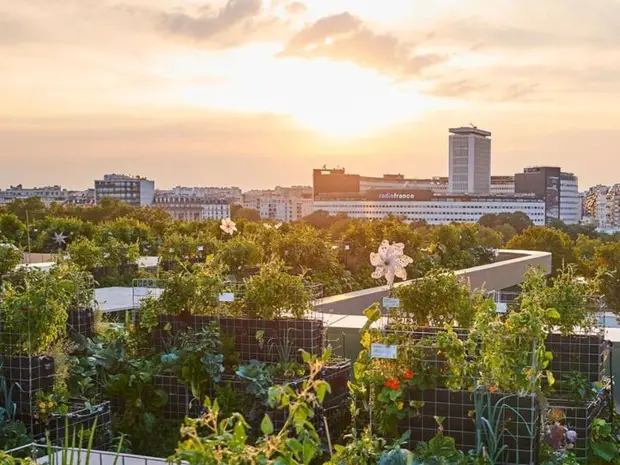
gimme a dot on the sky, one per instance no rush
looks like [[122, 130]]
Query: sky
[[257, 93]]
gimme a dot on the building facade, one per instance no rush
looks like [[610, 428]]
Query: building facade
[[469, 161], [570, 201], [280, 204], [560, 191], [336, 192], [437, 184], [132, 190], [232, 195], [192, 207], [594, 206], [47, 194], [432, 208]]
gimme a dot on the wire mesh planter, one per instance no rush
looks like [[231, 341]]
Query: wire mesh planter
[[81, 321], [458, 409], [254, 338], [337, 373], [181, 402], [80, 420], [577, 416], [583, 353], [31, 375]]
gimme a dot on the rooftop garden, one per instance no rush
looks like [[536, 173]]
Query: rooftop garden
[[230, 364]]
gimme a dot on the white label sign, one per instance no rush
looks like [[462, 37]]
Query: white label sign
[[383, 351], [227, 297], [501, 307], [391, 302]]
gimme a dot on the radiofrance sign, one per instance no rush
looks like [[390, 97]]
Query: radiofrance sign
[[399, 195], [396, 196]]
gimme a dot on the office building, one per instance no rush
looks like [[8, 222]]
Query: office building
[[469, 164], [132, 190], [559, 190], [570, 201], [337, 192], [191, 207]]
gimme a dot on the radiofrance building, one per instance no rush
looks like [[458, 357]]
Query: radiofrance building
[[338, 192]]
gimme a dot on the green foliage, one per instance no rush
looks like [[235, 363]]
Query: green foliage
[[210, 440], [194, 290], [546, 240], [438, 299], [441, 450], [197, 362], [257, 376], [272, 294], [12, 230], [10, 257], [239, 255], [604, 443], [517, 221], [35, 312], [567, 296]]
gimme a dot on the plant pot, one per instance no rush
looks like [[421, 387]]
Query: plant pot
[[79, 418], [81, 321], [181, 402], [255, 338], [586, 354], [458, 410], [32, 374], [258, 339], [337, 373]]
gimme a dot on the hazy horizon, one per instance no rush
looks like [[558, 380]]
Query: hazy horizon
[[257, 93]]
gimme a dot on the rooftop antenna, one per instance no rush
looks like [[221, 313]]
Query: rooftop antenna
[[473, 126]]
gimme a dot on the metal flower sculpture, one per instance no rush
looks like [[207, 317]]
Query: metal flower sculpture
[[390, 262], [60, 239], [228, 226]]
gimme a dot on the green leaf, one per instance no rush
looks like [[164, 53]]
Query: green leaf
[[309, 451], [550, 378], [605, 450], [322, 388], [373, 313], [295, 446], [239, 435], [266, 426], [305, 356], [553, 313]]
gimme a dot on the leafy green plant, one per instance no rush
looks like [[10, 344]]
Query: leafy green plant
[[359, 449], [493, 417], [441, 450], [47, 404], [35, 312], [211, 440], [604, 443], [197, 361], [257, 376], [13, 433], [273, 293], [437, 300]]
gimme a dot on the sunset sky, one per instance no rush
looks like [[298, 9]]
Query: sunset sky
[[256, 93]]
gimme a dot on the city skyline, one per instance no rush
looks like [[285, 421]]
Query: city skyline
[[256, 94]]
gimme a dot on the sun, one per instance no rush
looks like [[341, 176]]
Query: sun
[[334, 99], [341, 100]]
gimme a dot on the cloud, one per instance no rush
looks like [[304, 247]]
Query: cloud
[[234, 23], [344, 37], [296, 8], [471, 89]]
